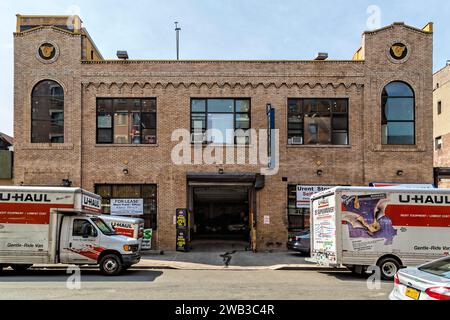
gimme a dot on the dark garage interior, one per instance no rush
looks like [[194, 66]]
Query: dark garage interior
[[221, 216]]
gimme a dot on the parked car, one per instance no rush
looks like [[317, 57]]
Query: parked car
[[237, 227], [300, 242], [430, 281]]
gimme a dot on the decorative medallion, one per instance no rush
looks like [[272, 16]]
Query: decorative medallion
[[48, 52], [398, 52]]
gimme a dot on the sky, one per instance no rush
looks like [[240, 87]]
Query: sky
[[224, 29]]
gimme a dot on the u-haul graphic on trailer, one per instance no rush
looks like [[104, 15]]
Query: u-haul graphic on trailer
[[388, 227], [126, 226], [59, 225]]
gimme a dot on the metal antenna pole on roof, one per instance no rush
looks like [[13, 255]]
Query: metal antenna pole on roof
[[177, 30]]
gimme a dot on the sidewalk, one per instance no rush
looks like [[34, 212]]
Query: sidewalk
[[211, 260]]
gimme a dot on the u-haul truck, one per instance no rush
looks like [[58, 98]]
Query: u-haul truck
[[46, 225], [386, 227]]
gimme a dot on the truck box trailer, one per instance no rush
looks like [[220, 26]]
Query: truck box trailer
[[48, 225], [126, 226], [393, 227]]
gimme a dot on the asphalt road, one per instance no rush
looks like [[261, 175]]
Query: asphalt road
[[190, 285]]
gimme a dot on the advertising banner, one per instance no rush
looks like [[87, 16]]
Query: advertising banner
[[304, 194], [147, 239], [396, 222], [324, 232], [182, 225], [127, 207]]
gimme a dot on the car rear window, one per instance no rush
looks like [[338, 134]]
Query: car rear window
[[439, 268]]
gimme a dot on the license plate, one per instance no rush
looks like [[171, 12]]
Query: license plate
[[412, 293]]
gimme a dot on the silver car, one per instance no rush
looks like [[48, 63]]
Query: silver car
[[430, 281]]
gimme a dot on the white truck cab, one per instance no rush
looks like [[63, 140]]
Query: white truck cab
[[40, 225]]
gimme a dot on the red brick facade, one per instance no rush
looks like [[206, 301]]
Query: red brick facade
[[174, 83]]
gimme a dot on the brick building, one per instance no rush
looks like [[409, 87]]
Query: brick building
[[106, 125], [6, 159], [441, 126]]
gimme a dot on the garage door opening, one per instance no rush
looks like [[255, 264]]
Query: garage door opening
[[221, 218]]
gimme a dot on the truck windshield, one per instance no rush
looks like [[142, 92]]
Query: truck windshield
[[104, 228]]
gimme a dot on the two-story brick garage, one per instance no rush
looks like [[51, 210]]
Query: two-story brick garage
[[106, 125]]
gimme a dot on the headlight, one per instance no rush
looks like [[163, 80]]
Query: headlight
[[126, 248]]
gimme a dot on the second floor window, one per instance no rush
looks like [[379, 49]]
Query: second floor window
[[126, 121], [318, 121], [47, 113], [216, 120], [398, 114]]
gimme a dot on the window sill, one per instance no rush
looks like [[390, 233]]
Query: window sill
[[112, 145], [47, 146], [327, 146], [400, 148], [240, 146]]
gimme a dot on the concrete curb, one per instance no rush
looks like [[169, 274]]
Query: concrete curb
[[208, 268]]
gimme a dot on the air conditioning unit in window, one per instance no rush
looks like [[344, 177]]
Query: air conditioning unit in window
[[198, 138], [296, 140]]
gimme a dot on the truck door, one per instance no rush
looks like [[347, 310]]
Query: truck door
[[82, 242]]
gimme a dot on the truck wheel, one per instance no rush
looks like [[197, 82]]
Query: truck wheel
[[21, 267], [389, 268], [111, 265]]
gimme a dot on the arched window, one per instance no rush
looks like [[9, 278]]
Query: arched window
[[397, 114], [47, 113]]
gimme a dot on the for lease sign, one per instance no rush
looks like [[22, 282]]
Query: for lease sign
[[304, 194], [127, 207]]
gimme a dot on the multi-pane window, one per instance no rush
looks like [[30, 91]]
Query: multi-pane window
[[47, 113], [318, 122], [126, 121], [147, 192], [216, 120], [398, 114], [298, 218]]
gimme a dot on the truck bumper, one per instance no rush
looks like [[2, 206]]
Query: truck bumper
[[130, 259]]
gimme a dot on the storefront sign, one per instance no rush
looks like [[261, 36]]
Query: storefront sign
[[271, 143], [182, 225], [181, 240], [304, 194], [127, 207], [147, 239], [181, 219]]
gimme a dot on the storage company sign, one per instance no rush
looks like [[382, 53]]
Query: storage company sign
[[127, 207], [304, 194]]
